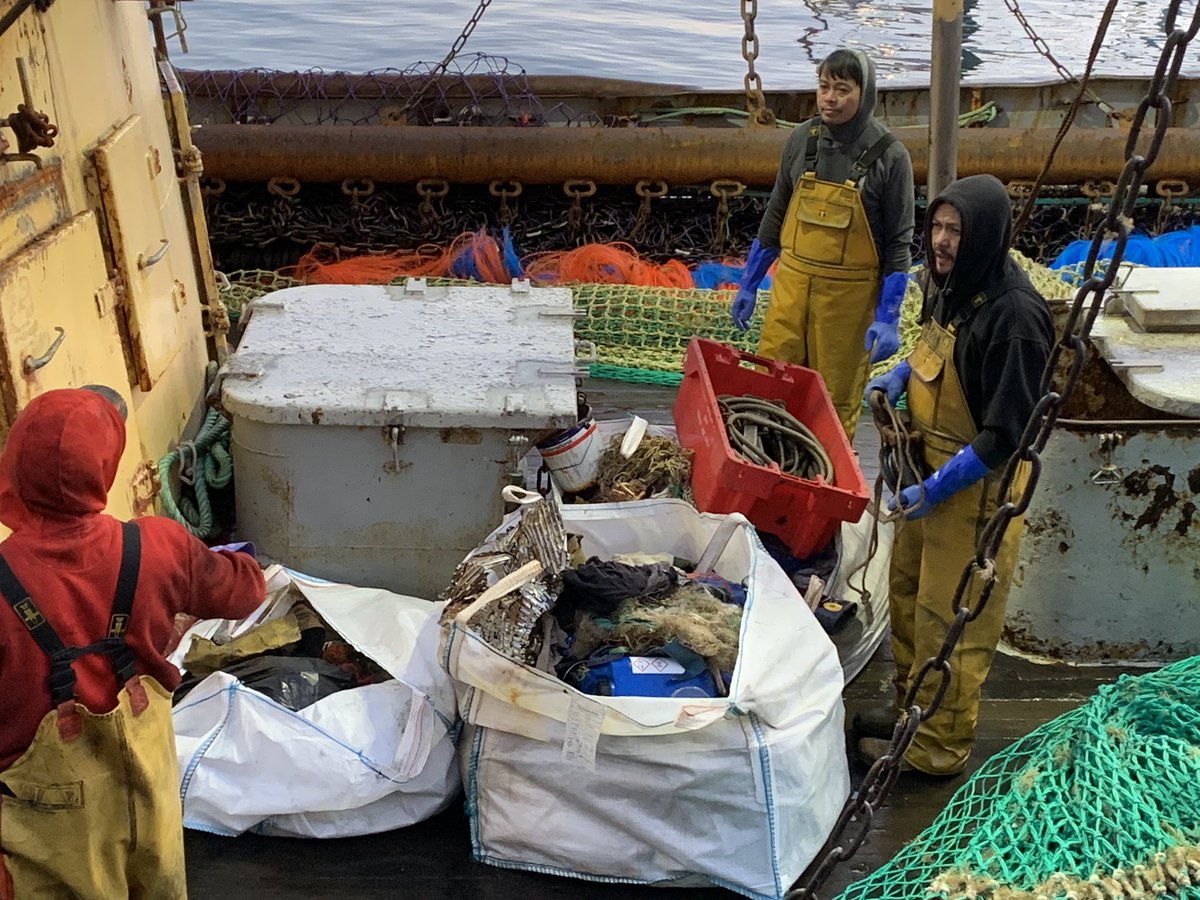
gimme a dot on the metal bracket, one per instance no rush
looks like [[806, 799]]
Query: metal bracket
[[395, 440], [1108, 473], [1144, 365]]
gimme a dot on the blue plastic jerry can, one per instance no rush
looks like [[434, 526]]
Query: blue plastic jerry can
[[646, 676]]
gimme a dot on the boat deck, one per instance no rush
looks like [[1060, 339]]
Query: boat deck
[[432, 860]]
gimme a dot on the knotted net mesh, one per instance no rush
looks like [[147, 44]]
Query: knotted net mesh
[[1099, 804]]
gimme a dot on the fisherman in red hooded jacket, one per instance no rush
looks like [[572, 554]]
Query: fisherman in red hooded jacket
[[89, 783]]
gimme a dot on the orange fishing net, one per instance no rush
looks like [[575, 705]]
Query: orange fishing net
[[480, 257]]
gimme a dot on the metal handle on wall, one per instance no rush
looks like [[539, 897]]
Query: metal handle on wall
[[32, 363], [145, 262]]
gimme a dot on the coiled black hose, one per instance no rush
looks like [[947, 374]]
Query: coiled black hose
[[765, 433]]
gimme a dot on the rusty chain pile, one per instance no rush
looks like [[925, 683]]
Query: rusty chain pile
[[256, 226], [1070, 349], [266, 227]]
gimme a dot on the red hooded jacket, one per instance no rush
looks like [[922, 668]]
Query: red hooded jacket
[[57, 467]]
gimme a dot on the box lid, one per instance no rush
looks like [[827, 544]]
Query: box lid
[[1151, 336], [463, 356]]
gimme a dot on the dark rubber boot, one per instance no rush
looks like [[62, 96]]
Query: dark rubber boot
[[876, 721]]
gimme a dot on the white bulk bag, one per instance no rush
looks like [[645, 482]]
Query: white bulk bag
[[362, 760], [739, 791]]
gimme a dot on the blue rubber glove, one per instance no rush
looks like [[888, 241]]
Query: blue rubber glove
[[962, 470], [893, 383], [883, 337], [757, 263]]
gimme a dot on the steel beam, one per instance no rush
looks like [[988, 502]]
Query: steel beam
[[622, 156]]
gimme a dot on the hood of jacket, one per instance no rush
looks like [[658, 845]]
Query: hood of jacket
[[982, 264], [60, 459], [848, 132]]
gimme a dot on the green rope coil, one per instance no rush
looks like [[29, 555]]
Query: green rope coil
[[207, 457]]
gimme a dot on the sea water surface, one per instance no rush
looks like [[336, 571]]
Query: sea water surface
[[689, 42]]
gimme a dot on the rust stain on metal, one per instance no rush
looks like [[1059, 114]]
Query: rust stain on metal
[[1020, 634], [461, 436], [1141, 483], [279, 486], [145, 486], [1187, 514], [1049, 524]]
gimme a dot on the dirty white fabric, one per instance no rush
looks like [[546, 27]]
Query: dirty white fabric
[[739, 791], [366, 759]]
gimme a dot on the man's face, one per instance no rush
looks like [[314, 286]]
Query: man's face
[[944, 232], [838, 99]]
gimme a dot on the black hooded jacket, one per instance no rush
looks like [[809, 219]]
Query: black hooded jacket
[[1003, 325], [886, 189]]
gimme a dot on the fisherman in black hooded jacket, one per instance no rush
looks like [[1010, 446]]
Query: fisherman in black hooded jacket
[[973, 381]]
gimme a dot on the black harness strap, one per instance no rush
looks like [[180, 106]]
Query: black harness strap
[[860, 166], [810, 149], [62, 674], [863, 164], [122, 605]]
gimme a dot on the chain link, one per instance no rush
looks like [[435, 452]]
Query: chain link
[[1043, 48], [440, 69], [1089, 301], [724, 189], [756, 102]]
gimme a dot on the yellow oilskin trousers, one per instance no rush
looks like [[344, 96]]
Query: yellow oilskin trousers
[[96, 816], [928, 558], [824, 292]]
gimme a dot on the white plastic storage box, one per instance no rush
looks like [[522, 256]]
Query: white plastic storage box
[[373, 427]]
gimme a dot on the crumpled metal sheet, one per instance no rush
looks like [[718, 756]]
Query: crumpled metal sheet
[[510, 623]]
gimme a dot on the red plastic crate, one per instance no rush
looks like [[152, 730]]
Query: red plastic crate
[[802, 513]]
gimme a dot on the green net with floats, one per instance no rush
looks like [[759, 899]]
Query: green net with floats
[[1102, 803]]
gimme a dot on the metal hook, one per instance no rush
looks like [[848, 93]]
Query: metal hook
[[32, 363], [145, 262]]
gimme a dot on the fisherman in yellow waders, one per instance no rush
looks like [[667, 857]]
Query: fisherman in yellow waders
[[973, 381], [89, 785], [840, 221]]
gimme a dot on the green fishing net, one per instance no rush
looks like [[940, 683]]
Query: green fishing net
[[1102, 803]]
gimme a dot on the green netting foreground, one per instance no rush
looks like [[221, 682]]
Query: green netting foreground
[[1099, 804]]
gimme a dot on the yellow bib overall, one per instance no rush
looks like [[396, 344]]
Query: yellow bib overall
[[91, 809], [928, 559], [826, 285]]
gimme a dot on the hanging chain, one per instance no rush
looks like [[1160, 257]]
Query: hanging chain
[[724, 189], [440, 68], [1043, 48], [1031, 198], [1117, 225], [756, 103]]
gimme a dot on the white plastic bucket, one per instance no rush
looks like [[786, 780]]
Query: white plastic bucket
[[572, 456]]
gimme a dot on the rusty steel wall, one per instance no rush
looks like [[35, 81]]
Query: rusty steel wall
[[1109, 565]]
